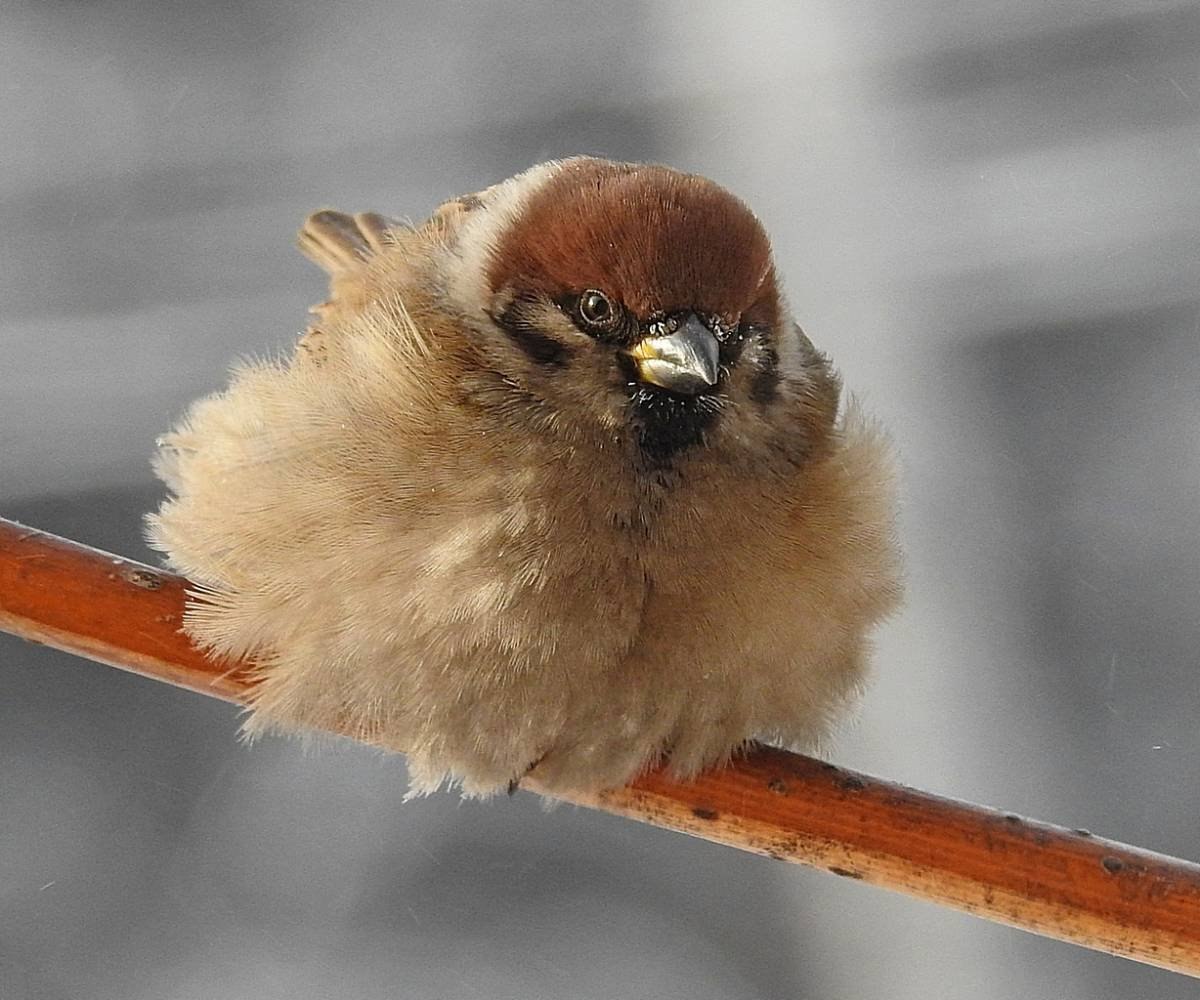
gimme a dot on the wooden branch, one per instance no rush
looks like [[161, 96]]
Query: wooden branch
[[1064, 884]]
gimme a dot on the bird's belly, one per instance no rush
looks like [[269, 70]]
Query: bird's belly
[[491, 644]]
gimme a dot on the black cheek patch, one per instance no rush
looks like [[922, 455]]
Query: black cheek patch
[[764, 382], [534, 342]]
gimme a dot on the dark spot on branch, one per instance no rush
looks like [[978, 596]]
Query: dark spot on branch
[[778, 786], [143, 578], [845, 873], [1112, 865], [700, 812], [851, 783]]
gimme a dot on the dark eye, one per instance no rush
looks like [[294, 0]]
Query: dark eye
[[595, 308]]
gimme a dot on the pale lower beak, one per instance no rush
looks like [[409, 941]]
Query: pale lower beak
[[686, 361]]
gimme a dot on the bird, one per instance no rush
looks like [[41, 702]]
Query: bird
[[553, 487]]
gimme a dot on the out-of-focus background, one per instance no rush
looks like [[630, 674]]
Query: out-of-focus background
[[989, 214]]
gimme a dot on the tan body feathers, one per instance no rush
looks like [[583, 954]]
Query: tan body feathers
[[553, 485]]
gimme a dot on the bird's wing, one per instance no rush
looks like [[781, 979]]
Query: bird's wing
[[344, 245], [341, 243]]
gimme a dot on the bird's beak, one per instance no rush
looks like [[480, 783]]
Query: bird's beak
[[686, 361]]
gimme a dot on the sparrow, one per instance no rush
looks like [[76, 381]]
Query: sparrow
[[552, 486]]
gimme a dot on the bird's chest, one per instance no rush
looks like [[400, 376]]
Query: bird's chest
[[573, 565], [532, 576]]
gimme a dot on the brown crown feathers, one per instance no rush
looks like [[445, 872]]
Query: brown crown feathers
[[554, 485]]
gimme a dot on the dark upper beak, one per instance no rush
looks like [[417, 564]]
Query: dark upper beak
[[685, 361]]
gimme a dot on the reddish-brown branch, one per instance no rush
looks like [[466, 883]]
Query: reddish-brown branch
[[1064, 884]]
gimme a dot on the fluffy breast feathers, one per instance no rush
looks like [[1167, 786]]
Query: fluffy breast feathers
[[428, 539]]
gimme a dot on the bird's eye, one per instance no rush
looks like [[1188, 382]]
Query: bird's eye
[[595, 309]]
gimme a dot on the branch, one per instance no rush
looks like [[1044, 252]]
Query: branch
[[1060, 883]]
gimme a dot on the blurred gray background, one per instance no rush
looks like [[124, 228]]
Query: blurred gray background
[[988, 213]]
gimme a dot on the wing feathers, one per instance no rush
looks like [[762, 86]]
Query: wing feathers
[[339, 242]]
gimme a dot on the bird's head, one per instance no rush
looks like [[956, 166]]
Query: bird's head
[[633, 301]]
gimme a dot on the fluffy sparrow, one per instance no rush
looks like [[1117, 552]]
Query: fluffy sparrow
[[553, 485]]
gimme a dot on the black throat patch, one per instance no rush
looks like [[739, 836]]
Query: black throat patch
[[665, 424]]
